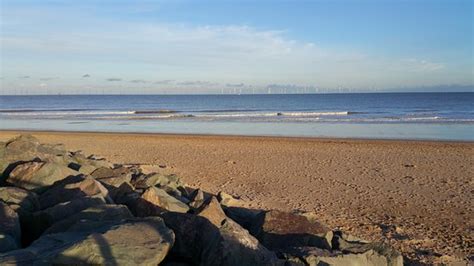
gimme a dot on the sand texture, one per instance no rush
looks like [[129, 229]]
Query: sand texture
[[416, 196]]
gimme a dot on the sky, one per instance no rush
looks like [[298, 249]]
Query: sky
[[116, 46]]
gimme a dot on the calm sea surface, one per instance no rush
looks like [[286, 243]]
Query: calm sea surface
[[442, 116]]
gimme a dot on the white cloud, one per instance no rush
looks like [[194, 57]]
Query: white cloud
[[226, 54], [413, 64]]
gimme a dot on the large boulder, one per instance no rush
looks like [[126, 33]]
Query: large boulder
[[120, 193], [244, 216], [371, 255], [113, 177], [85, 165], [169, 183], [198, 241], [212, 211], [129, 242], [97, 213], [36, 223], [10, 232], [20, 200], [26, 148], [278, 229], [156, 179], [71, 188], [38, 175], [165, 201]]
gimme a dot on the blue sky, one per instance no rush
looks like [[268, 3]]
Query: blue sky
[[214, 46]]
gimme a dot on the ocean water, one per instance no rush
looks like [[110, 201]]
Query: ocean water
[[440, 116]]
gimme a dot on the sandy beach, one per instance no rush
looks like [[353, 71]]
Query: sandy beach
[[414, 195]]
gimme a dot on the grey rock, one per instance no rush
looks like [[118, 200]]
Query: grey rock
[[71, 188], [20, 200], [212, 211], [244, 216], [119, 195], [129, 242], [85, 165], [170, 183], [25, 148], [113, 177], [10, 232], [277, 229], [197, 198], [36, 223], [163, 200], [201, 242], [371, 256], [96, 213], [38, 175], [229, 200]]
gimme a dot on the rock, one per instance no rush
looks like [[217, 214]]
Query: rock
[[342, 241], [22, 144], [38, 175], [129, 242], [73, 187], [277, 229], [145, 181], [35, 224], [315, 256], [20, 200], [96, 213], [165, 201], [113, 177], [200, 242], [197, 198], [86, 165], [354, 245], [170, 183], [142, 208], [228, 200], [119, 194], [212, 211], [10, 232], [25, 148], [243, 216]]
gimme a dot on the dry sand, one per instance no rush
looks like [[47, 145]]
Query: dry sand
[[417, 196]]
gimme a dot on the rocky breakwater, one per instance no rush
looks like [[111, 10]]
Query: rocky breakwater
[[61, 207]]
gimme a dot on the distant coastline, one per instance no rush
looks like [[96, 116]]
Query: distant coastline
[[466, 89]]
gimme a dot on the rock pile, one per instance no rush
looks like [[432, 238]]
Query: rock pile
[[60, 207]]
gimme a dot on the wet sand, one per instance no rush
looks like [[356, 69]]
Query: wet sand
[[414, 195]]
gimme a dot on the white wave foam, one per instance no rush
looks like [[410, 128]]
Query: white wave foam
[[283, 114], [420, 118], [68, 113], [316, 114]]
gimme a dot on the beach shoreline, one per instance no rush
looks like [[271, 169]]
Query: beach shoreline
[[244, 136], [413, 194]]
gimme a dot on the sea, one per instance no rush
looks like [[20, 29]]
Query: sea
[[416, 116]]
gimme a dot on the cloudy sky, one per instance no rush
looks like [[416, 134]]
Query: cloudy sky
[[183, 46]]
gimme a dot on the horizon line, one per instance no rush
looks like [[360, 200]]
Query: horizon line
[[235, 94]]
